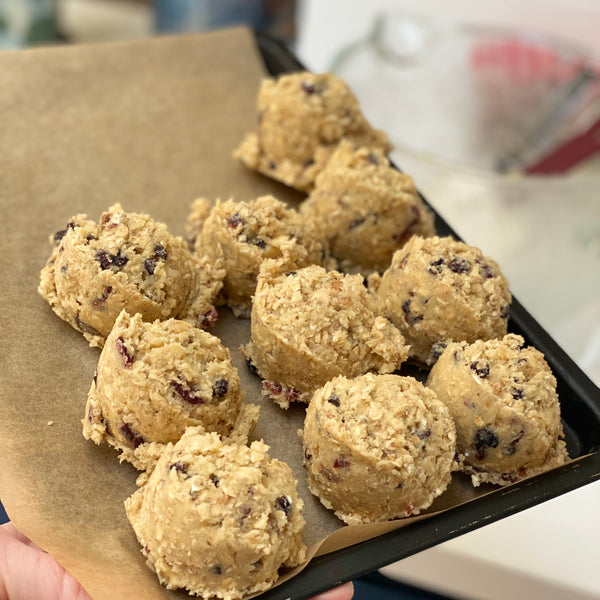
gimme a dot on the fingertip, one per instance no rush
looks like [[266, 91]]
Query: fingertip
[[10, 530], [342, 592]]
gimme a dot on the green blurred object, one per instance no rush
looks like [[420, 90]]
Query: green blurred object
[[28, 23]]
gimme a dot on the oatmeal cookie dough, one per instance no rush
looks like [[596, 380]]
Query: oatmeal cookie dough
[[365, 209], [502, 398], [156, 379], [126, 261], [218, 519], [377, 447], [438, 290], [302, 117], [244, 234], [311, 325]]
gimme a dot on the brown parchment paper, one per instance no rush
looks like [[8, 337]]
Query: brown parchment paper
[[152, 125]]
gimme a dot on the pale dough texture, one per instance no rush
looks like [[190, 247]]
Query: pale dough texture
[[365, 209], [503, 400], [377, 447], [438, 290], [243, 234], [218, 519], [301, 118], [311, 325], [156, 379], [126, 261]]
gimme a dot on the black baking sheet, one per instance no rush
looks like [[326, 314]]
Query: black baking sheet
[[580, 409]]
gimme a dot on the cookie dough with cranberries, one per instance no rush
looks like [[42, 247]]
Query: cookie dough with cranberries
[[218, 519], [502, 397], [365, 208], [126, 261], [439, 290], [377, 447], [310, 325], [301, 119], [156, 379], [244, 234]]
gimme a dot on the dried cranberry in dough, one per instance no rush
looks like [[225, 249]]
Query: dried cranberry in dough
[[314, 325], [244, 234], [377, 447], [126, 261], [156, 379], [439, 290], [302, 118], [218, 519], [502, 398], [365, 209]]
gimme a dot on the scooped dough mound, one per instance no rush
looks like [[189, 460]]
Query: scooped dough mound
[[156, 379], [244, 234], [365, 209], [126, 261], [301, 118], [218, 519], [439, 290], [503, 400], [311, 325], [377, 447]]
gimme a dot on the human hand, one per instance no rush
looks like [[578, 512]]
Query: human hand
[[343, 592], [29, 573]]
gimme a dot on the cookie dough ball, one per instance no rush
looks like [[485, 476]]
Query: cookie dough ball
[[126, 261], [377, 447], [311, 325], [438, 290], [244, 234], [218, 519], [503, 400], [156, 379], [302, 117], [365, 209]]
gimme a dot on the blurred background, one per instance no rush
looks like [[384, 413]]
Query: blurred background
[[494, 109]]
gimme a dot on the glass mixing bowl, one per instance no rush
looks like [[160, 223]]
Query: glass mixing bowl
[[470, 110], [487, 99]]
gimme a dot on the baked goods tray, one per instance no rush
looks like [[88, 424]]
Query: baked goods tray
[[580, 410]]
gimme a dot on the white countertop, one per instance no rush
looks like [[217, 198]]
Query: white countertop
[[550, 552]]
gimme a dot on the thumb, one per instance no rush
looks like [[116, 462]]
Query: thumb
[[28, 573]]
